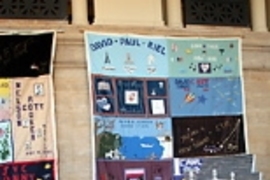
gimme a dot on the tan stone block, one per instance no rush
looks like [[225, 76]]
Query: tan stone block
[[71, 102], [259, 143], [67, 86], [67, 173], [256, 75], [263, 163], [259, 118], [257, 87], [256, 59], [257, 102], [71, 52]]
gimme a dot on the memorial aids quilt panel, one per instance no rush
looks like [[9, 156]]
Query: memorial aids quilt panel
[[154, 99]]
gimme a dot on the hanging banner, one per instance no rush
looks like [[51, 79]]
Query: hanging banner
[[27, 121], [32, 118], [139, 84]]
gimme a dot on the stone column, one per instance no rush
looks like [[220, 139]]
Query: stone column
[[79, 12], [258, 15], [174, 13], [268, 13]]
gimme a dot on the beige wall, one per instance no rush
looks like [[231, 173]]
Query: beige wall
[[72, 111], [258, 102]]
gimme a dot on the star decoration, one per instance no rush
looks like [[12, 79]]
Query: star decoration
[[202, 99]]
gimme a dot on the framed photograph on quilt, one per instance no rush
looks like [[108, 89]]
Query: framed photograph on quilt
[[130, 97]]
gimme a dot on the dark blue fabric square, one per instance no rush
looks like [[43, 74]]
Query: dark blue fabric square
[[156, 88], [126, 85]]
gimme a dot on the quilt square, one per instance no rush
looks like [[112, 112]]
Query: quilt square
[[128, 138], [103, 85], [205, 96], [127, 55], [35, 169], [204, 58], [208, 136], [6, 141], [156, 87], [130, 94], [134, 170]]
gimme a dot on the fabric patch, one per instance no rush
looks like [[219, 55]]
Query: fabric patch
[[205, 96], [158, 106], [204, 68], [135, 174], [133, 138], [104, 105], [39, 170], [208, 136], [103, 85]]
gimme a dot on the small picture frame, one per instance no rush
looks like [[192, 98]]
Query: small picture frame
[[39, 89], [135, 174], [158, 107], [204, 68]]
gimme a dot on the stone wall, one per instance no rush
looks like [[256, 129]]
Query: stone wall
[[73, 108], [257, 88]]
